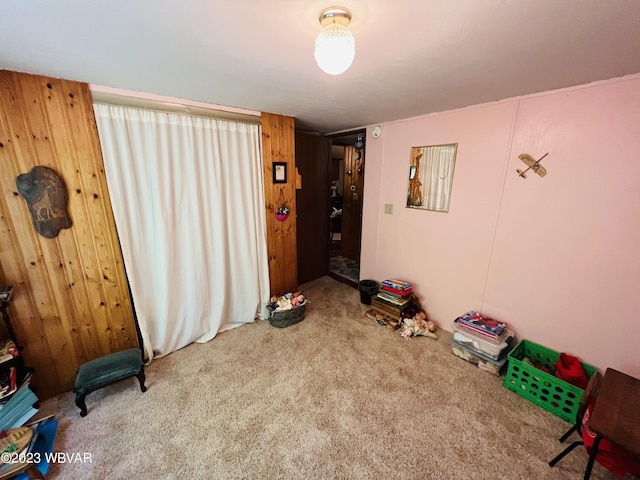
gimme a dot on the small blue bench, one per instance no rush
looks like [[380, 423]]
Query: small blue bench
[[104, 371]]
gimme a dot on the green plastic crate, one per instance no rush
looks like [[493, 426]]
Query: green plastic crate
[[549, 392]]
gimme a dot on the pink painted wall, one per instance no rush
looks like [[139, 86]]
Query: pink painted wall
[[558, 257]]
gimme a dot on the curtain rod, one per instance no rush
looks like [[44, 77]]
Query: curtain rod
[[128, 98]]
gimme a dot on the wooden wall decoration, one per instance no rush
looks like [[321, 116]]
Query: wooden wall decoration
[[46, 196], [278, 146], [70, 302]]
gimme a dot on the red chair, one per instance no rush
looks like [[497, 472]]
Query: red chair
[[610, 455]]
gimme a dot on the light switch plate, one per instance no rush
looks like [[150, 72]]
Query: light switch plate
[[388, 208]]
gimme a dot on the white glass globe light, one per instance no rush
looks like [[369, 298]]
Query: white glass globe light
[[335, 45]]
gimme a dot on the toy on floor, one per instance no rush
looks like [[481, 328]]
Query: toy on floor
[[418, 325], [286, 302]]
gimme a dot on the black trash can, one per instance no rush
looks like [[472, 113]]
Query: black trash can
[[368, 288]]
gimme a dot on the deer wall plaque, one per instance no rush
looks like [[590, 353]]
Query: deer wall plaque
[[46, 196]]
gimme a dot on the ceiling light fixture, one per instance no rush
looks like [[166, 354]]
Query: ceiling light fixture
[[335, 45]]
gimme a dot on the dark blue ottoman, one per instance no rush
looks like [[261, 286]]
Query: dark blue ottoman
[[103, 371]]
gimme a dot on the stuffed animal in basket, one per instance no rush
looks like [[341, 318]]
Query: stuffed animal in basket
[[297, 300], [286, 302]]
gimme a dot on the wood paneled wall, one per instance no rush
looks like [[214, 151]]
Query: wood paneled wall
[[278, 146], [352, 203], [71, 301]]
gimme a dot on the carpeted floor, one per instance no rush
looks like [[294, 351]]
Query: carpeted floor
[[336, 396]]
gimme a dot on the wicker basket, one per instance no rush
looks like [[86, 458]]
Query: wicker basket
[[286, 318]]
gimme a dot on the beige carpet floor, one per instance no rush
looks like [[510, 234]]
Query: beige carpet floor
[[334, 397]]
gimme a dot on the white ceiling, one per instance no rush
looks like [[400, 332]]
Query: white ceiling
[[412, 56]]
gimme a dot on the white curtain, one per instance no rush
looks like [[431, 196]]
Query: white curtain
[[436, 175], [188, 200]]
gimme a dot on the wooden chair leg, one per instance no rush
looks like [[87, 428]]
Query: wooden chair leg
[[81, 403], [141, 379]]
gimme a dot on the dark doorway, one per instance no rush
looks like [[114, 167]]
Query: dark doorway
[[312, 153], [346, 183], [329, 205]]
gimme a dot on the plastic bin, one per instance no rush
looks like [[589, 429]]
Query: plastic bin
[[545, 390], [368, 288], [481, 361], [480, 344]]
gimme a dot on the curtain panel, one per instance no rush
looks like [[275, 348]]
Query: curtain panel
[[435, 174], [188, 200]]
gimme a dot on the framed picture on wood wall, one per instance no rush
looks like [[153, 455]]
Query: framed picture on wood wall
[[279, 172]]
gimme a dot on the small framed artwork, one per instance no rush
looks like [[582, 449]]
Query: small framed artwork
[[279, 172]]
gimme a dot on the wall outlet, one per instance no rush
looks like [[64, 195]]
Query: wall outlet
[[388, 208]]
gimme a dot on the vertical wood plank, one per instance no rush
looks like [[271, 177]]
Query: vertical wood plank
[[279, 146], [71, 303]]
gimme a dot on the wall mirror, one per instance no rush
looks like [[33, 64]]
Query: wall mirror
[[431, 177]]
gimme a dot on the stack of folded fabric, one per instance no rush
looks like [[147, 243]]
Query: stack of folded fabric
[[482, 341]]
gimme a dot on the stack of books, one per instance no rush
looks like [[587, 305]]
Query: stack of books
[[396, 288], [394, 297], [19, 407], [31, 449], [8, 383], [8, 372], [486, 327]]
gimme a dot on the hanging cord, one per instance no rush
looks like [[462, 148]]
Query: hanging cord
[[282, 208]]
